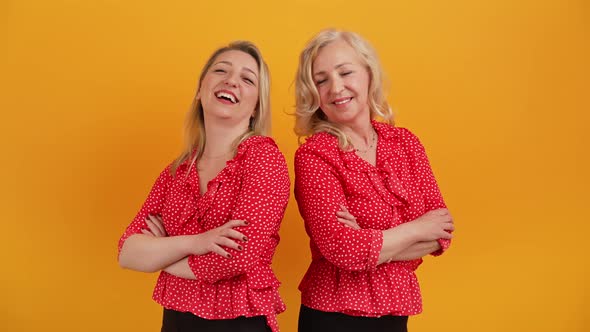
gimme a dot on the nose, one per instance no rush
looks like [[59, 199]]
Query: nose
[[231, 80], [336, 85]]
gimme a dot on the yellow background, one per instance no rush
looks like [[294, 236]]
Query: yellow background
[[93, 96]]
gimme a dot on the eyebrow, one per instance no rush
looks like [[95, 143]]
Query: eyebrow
[[230, 64], [335, 67]]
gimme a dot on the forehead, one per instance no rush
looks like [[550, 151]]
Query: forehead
[[238, 58], [335, 53]]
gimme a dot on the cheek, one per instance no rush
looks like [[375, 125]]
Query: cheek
[[323, 95], [252, 96], [365, 84]]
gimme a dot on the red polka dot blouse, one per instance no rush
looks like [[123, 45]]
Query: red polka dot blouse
[[254, 186], [343, 275]]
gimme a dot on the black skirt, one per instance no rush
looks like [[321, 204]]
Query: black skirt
[[176, 321], [311, 320]]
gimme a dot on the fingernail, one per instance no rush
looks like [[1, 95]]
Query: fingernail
[[240, 248], [228, 255], [245, 238], [246, 223]]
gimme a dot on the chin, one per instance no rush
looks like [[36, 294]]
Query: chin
[[347, 118]]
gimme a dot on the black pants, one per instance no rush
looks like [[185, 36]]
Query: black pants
[[311, 320], [176, 321]]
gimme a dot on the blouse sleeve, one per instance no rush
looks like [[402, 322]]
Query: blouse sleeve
[[261, 202], [152, 205], [319, 194], [432, 197]]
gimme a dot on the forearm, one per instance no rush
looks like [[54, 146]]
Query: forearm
[[396, 241], [181, 269], [150, 254], [417, 250]]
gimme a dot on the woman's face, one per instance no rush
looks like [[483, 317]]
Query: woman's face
[[229, 90], [342, 81]]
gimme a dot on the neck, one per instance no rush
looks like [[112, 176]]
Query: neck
[[360, 132], [219, 139]]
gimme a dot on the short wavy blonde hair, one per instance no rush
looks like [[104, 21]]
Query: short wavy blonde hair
[[194, 131], [309, 117]]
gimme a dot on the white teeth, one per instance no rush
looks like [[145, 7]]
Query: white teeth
[[342, 101], [227, 96]]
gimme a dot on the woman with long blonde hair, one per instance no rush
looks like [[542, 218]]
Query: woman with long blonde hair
[[210, 223]]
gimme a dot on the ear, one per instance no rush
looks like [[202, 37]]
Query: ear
[[198, 96]]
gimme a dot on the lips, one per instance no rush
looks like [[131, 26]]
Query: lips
[[227, 96], [341, 101]]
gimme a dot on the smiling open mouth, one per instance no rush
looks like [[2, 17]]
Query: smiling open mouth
[[342, 101], [227, 96]]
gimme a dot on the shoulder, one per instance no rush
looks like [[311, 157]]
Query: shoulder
[[409, 141], [319, 144], [259, 149], [164, 178], [402, 137], [390, 132]]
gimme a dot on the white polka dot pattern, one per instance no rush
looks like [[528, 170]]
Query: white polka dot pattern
[[343, 275], [254, 186]]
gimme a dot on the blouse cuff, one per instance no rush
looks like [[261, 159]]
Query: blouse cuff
[[444, 245], [375, 250]]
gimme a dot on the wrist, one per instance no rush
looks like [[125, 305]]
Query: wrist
[[191, 244], [410, 232]]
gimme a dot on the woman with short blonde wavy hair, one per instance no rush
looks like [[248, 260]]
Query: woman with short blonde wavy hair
[[309, 117], [365, 190]]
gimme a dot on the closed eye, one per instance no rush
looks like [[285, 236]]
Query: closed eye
[[346, 73], [320, 82], [248, 80]]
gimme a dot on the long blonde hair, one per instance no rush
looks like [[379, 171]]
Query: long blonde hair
[[194, 131], [309, 118]]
